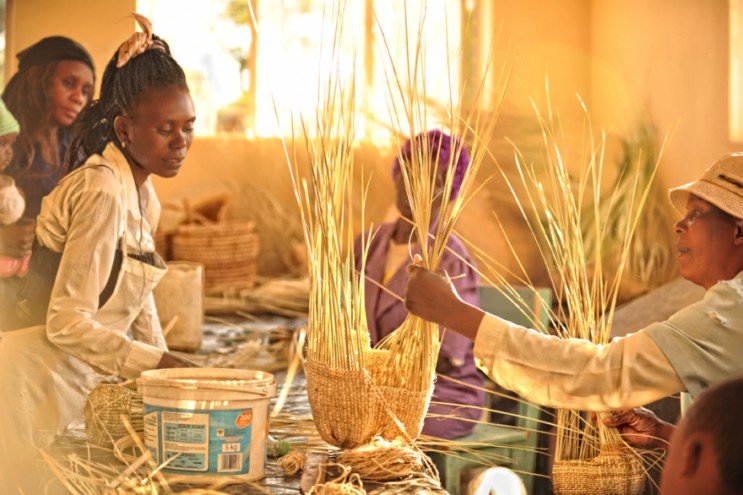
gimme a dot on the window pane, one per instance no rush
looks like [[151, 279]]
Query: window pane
[[213, 44], [290, 62], [438, 79], [211, 40]]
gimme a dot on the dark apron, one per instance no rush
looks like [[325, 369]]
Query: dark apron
[[36, 287]]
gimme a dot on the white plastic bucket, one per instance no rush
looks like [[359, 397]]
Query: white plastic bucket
[[207, 423]]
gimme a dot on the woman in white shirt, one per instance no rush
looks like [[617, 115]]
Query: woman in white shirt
[[94, 265]]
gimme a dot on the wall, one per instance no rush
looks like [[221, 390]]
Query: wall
[[665, 60], [98, 25]]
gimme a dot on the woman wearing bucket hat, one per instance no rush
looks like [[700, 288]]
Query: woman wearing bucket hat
[[693, 349]]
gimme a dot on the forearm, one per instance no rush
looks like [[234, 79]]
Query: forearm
[[574, 374], [463, 318]]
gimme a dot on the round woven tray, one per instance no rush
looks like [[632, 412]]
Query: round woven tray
[[617, 470], [228, 251]]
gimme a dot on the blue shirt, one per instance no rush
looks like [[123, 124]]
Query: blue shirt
[[40, 178]]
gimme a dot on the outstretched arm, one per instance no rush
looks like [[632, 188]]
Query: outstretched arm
[[547, 370]]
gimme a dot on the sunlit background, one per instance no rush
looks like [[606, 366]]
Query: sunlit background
[[237, 73]]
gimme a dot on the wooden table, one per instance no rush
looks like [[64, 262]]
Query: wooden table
[[218, 340]]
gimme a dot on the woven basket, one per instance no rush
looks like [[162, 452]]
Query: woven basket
[[228, 251], [408, 407], [103, 409], [344, 406], [617, 470]]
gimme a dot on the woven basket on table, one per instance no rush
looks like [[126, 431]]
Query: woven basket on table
[[343, 404], [617, 470], [406, 406], [348, 410], [228, 251], [103, 410]]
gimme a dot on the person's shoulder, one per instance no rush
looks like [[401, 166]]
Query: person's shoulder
[[726, 290], [95, 176]]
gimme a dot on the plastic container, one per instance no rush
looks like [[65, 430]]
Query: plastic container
[[207, 424]]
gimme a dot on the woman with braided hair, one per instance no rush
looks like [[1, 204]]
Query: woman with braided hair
[[94, 265]]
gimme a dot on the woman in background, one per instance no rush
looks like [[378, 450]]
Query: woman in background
[[94, 265], [389, 254], [53, 84]]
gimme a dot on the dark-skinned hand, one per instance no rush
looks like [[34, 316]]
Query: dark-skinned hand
[[641, 427], [170, 360], [16, 240]]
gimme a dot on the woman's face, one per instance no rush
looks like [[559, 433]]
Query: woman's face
[[6, 149], [708, 243], [158, 132], [72, 88], [401, 198]]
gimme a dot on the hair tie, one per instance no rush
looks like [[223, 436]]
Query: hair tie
[[137, 43]]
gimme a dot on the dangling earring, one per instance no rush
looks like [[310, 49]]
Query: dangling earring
[[123, 144]]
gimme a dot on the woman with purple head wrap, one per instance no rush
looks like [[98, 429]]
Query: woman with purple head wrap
[[442, 146], [389, 253]]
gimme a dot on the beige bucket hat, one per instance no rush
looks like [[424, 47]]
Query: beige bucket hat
[[721, 185]]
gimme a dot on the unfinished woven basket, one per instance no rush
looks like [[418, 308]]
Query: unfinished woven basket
[[103, 410], [228, 251], [617, 470], [408, 407], [343, 403], [347, 405]]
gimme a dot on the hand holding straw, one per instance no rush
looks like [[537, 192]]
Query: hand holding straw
[[641, 427], [432, 296]]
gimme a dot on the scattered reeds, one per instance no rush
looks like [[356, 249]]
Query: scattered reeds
[[283, 297]]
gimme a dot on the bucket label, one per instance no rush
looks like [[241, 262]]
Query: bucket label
[[203, 441]]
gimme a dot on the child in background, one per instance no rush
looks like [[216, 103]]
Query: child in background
[[12, 203]]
